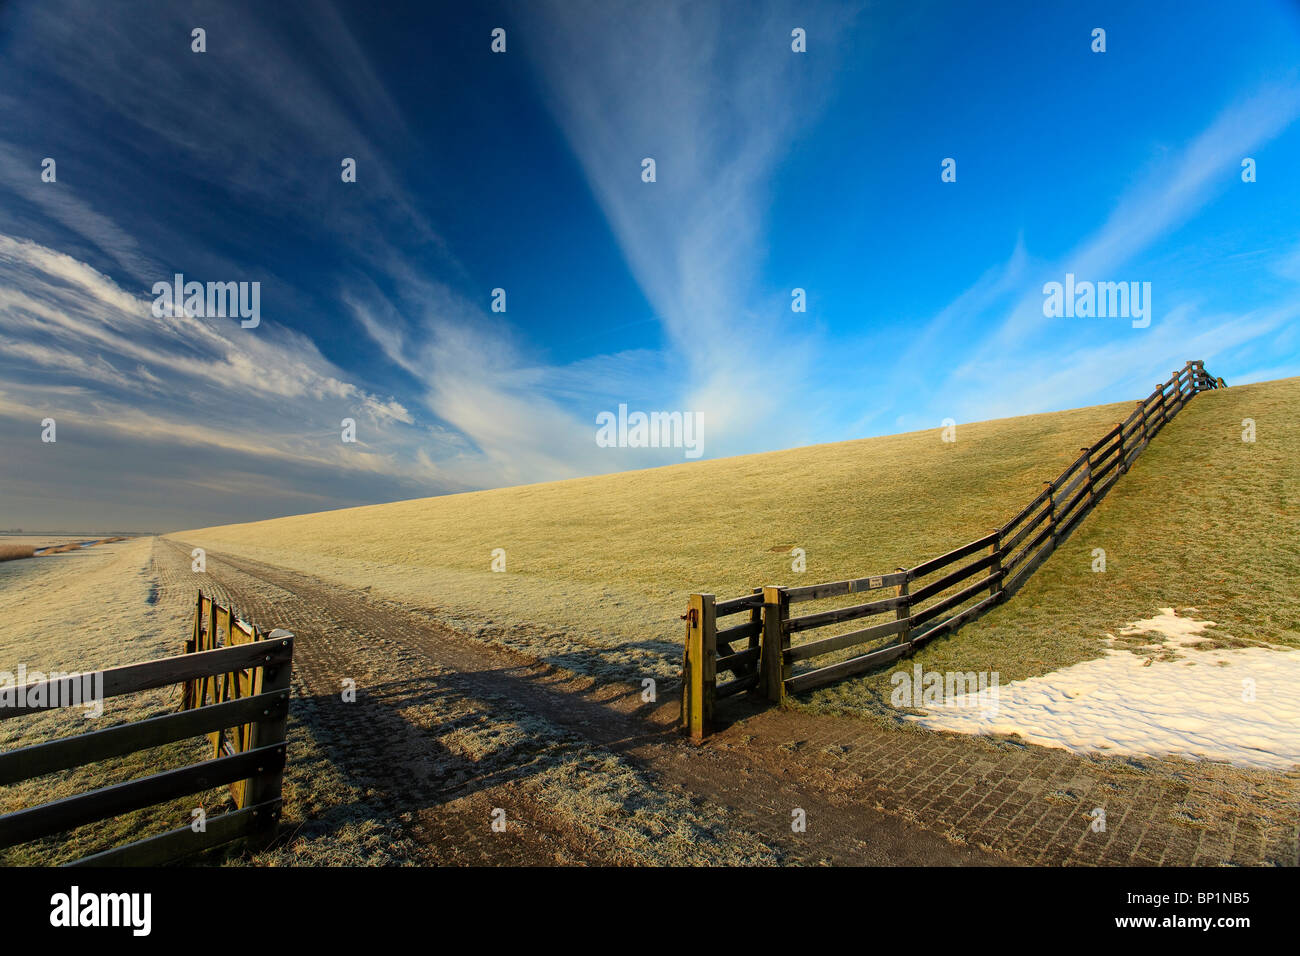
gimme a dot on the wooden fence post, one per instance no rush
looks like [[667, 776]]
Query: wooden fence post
[[1051, 511], [756, 640], [904, 611], [269, 785], [997, 561], [776, 606], [210, 683], [1088, 471], [189, 688], [701, 661], [709, 639], [1121, 466]]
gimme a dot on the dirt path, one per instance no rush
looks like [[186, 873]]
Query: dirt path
[[446, 730]]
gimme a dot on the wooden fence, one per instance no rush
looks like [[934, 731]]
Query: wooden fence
[[235, 689], [919, 603]]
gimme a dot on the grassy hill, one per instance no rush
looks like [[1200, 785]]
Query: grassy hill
[[1202, 521], [598, 569]]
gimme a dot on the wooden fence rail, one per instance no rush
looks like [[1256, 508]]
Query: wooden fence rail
[[244, 673], [928, 600]]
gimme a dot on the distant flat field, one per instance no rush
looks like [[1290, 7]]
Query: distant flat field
[[42, 540], [19, 546], [75, 612], [599, 569]]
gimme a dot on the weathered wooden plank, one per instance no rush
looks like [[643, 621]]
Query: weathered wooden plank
[[183, 841], [1105, 439], [1074, 466], [748, 629], [751, 632], [956, 621], [59, 815], [736, 686], [157, 673], [1101, 455], [1104, 486], [948, 580], [1026, 511], [743, 660], [1024, 552], [1064, 511], [1064, 527], [801, 652], [1012, 543], [952, 600], [1102, 471], [835, 616], [814, 592], [737, 604], [68, 752], [855, 665], [1064, 492], [1031, 563], [956, 554]]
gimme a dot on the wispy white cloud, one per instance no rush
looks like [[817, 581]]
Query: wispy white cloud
[[476, 409], [76, 347], [1026, 362], [715, 101]]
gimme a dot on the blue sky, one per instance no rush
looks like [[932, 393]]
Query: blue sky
[[522, 171]]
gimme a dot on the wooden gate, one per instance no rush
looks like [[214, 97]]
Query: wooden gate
[[237, 694], [215, 625]]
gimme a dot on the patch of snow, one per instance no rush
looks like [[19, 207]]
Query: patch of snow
[[1238, 704]]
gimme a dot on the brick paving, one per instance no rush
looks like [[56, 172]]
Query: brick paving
[[1034, 804], [872, 793]]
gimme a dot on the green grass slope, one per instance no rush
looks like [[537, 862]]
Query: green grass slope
[[598, 569], [1202, 520]]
